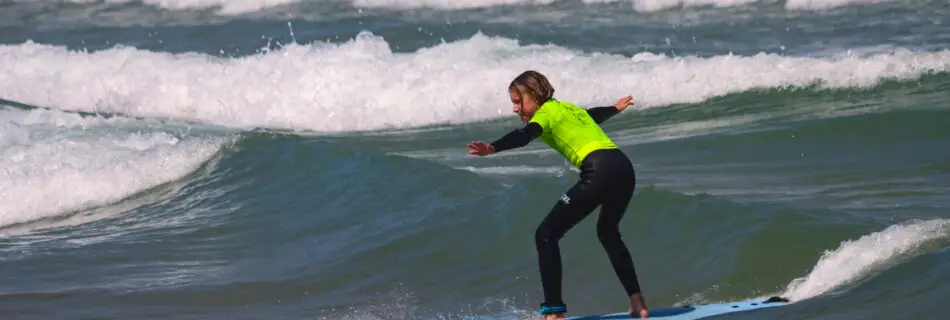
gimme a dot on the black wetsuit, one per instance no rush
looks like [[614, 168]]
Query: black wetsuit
[[607, 179]]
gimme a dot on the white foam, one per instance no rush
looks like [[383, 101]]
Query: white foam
[[233, 7], [12, 134], [513, 170], [827, 4], [227, 7], [858, 259], [362, 85], [56, 166], [443, 4], [658, 5]]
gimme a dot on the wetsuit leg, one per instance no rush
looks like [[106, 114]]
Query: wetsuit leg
[[611, 212], [578, 202], [608, 180]]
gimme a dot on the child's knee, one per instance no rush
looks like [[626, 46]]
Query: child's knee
[[607, 230], [543, 235]]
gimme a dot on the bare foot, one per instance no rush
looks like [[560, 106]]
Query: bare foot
[[637, 306], [643, 313], [554, 316]]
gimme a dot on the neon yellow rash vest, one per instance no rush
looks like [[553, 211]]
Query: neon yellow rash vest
[[570, 130]]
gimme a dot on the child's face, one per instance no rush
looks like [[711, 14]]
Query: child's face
[[524, 105]]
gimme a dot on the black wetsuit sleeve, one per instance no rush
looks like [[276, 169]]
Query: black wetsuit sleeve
[[518, 138], [601, 114]]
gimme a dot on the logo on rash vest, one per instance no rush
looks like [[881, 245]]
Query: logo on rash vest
[[565, 199]]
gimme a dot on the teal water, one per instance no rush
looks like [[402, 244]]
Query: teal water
[[306, 159]]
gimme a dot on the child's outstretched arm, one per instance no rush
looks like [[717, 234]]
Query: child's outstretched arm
[[601, 114], [515, 139]]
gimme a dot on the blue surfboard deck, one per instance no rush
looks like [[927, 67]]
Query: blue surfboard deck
[[695, 312]]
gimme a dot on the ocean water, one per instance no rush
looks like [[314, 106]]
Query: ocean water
[[306, 159]]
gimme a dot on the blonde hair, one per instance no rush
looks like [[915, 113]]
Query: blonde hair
[[534, 84]]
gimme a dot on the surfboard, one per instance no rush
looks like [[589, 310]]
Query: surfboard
[[694, 312]]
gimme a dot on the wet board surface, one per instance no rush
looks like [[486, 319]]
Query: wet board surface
[[695, 311]]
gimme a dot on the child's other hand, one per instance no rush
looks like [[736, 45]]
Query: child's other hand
[[623, 103], [480, 148]]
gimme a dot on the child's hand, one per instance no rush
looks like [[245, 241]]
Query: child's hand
[[623, 103], [480, 148]]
